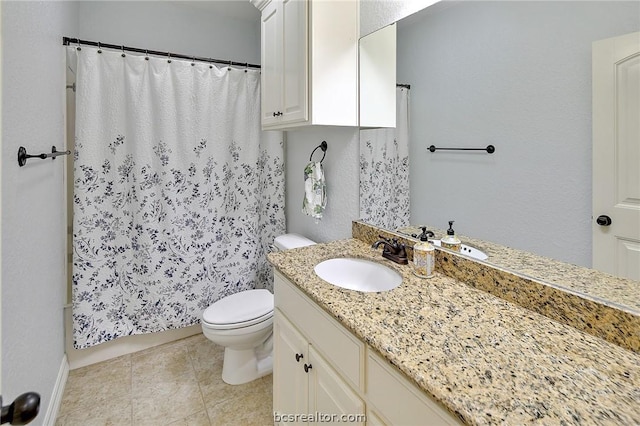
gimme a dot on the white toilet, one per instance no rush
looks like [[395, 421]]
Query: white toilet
[[243, 324]]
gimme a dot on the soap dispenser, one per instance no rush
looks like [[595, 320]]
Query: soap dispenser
[[424, 257], [451, 242]]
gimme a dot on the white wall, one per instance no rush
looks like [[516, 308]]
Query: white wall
[[516, 75], [33, 213]]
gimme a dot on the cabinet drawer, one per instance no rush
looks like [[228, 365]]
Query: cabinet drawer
[[330, 338], [400, 401]]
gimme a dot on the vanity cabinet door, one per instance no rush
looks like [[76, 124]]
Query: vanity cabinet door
[[290, 382], [399, 402], [330, 395]]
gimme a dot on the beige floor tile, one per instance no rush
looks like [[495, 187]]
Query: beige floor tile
[[97, 385], [176, 384], [206, 358], [167, 404], [251, 408], [197, 419], [215, 391], [114, 412], [168, 364], [164, 386]]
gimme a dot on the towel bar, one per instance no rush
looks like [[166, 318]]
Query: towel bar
[[23, 156]]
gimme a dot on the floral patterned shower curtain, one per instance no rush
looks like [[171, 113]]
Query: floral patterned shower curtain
[[177, 192], [384, 170]]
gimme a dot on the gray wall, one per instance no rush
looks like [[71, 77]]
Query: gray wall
[[516, 75], [341, 167], [33, 95], [375, 14], [189, 27], [33, 213]]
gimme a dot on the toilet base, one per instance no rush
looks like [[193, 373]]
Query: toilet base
[[243, 366]]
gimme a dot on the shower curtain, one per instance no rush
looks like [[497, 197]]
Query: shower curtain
[[177, 192], [384, 170]]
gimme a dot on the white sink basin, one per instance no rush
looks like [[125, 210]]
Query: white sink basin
[[466, 250], [358, 274]]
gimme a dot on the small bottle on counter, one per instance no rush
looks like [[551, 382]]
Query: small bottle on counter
[[424, 259], [451, 242]]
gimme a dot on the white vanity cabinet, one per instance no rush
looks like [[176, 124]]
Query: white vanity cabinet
[[306, 384], [321, 367], [309, 55]]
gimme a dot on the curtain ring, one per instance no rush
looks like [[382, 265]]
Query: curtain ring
[[99, 48], [169, 55], [210, 63], [79, 47], [193, 61], [123, 55], [146, 55], [246, 67], [229, 65]]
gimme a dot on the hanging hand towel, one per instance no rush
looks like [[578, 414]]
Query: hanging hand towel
[[315, 190]]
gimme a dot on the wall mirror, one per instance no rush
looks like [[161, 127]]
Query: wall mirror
[[516, 75]]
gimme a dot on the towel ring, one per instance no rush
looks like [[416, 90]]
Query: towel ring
[[323, 146]]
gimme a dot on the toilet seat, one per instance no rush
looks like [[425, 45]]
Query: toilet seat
[[239, 310]]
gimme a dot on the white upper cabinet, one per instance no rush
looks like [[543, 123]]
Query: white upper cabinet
[[309, 63]]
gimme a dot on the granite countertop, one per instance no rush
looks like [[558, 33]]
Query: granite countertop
[[485, 359], [619, 292]]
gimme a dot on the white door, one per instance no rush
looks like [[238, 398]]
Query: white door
[[616, 156]]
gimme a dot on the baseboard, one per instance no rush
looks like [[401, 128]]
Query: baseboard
[[124, 345], [56, 397]]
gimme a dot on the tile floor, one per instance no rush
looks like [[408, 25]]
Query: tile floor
[[178, 383]]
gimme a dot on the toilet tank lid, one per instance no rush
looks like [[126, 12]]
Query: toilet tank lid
[[240, 307], [290, 241]]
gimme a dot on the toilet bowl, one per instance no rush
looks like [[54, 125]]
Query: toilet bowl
[[243, 324]]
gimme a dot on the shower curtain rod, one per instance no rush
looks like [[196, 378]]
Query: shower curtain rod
[[67, 41], [408, 86]]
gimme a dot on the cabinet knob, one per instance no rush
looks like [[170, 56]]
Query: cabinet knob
[[299, 357], [603, 220], [307, 367]]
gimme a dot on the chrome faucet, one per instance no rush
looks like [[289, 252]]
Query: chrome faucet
[[393, 250]]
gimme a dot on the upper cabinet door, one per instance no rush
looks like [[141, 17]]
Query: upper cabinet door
[[378, 78], [271, 57], [309, 63], [295, 105]]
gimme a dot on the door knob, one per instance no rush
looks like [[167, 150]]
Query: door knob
[[603, 220], [23, 409]]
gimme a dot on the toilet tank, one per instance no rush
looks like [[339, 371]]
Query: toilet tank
[[290, 241]]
